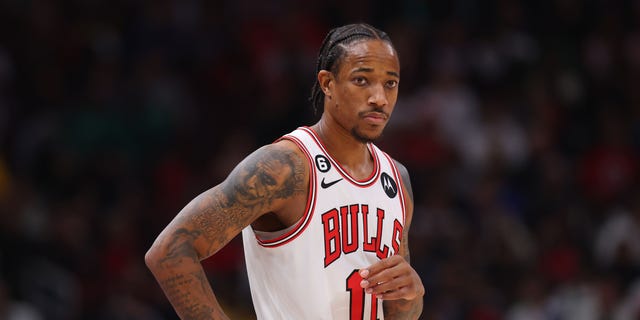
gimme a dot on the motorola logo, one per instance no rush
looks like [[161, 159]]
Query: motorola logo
[[388, 185]]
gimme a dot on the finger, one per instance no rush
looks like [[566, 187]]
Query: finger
[[384, 276], [398, 270], [368, 284], [401, 293], [382, 287], [380, 266], [389, 284], [407, 289]]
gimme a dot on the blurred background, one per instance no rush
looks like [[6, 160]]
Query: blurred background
[[519, 122]]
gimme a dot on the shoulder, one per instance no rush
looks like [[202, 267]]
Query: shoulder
[[286, 150], [281, 149], [267, 178], [275, 158], [408, 197], [406, 179]]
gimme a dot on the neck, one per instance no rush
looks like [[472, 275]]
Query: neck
[[352, 154]]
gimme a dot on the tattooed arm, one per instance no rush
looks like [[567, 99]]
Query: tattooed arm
[[393, 279], [265, 181], [403, 308]]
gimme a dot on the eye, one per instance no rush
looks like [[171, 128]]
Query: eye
[[267, 179], [391, 84], [360, 81]]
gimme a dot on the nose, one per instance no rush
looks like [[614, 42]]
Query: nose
[[378, 96]]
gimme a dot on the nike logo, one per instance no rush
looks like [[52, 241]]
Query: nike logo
[[328, 184]]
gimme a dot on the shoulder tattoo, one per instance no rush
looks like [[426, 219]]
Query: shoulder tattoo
[[269, 174], [263, 177]]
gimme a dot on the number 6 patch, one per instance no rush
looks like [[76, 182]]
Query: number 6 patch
[[322, 163]]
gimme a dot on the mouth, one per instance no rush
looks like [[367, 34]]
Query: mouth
[[375, 117]]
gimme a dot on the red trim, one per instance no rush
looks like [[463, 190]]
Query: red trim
[[309, 207], [396, 174], [375, 173]]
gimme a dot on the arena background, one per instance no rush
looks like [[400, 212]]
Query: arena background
[[518, 120]]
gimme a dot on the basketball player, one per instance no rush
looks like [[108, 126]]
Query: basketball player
[[324, 213]]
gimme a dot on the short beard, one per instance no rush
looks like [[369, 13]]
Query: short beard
[[361, 138]]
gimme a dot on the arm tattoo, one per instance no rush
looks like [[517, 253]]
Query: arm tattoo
[[403, 309], [274, 175], [215, 217], [179, 247], [249, 191], [177, 285], [185, 300]]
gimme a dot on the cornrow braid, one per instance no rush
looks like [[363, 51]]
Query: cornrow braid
[[332, 52]]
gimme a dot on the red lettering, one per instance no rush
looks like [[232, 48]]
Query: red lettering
[[374, 307], [397, 236], [349, 230], [331, 223], [357, 299], [381, 252], [367, 245], [341, 233]]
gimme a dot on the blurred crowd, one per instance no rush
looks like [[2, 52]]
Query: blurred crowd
[[519, 122]]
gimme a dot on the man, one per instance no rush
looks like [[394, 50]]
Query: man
[[324, 214]]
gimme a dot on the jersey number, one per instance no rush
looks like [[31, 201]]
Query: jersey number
[[356, 303]]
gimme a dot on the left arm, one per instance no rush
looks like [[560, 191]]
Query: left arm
[[393, 279]]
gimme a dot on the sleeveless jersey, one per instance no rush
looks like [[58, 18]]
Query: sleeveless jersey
[[311, 270]]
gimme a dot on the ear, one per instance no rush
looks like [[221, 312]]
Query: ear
[[325, 79]]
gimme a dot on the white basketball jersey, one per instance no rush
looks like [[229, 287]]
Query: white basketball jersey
[[310, 271]]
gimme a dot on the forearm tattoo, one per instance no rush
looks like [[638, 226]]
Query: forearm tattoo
[[402, 309], [187, 302]]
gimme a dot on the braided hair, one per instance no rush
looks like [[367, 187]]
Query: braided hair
[[332, 51]]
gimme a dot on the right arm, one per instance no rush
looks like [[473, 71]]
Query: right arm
[[263, 182]]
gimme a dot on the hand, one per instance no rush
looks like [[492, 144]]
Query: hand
[[392, 278]]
